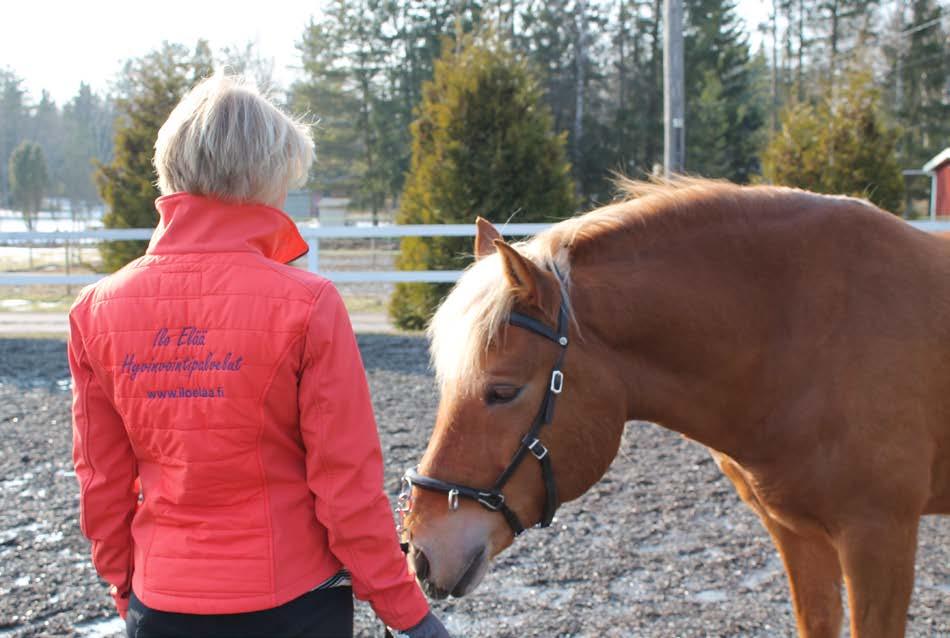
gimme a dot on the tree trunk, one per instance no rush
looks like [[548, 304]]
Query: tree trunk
[[801, 50], [653, 109], [622, 77], [774, 78], [834, 40], [580, 48]]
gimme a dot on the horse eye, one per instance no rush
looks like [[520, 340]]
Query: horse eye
[[497, 394]]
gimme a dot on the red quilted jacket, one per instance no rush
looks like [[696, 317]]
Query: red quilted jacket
[[229, 387]]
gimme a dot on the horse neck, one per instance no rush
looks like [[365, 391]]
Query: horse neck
[[691, 325]]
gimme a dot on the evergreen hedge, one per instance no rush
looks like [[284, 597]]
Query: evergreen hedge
[[483, 144]]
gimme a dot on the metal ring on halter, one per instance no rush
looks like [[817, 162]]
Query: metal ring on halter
[[557, 381], [453, 499]]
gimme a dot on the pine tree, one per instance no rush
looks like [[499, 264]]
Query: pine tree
[[364, 64], [482, 145], [325, 93], [29, 180], [636, 127], [47, 131], [13, 119], [151, 87], [921, 70], [725, 111], [87, 139], [841, 146], [843, 29]]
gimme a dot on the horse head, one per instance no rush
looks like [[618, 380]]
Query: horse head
[[529, 417]]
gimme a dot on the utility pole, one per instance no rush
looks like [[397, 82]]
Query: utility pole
[[674, 142]]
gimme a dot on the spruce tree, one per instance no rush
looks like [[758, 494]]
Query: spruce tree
[[841, 146], [151, 86], [920, 79], [483, 144], [725, 110], [87, 138], [29, 180], [14, 116]]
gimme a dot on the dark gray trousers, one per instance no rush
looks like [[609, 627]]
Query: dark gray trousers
[[322, 613]]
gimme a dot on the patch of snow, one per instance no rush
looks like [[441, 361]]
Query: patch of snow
[[12, 484], [52, 537], [8, 535], [101, 628], [711, 596], [756, 578]]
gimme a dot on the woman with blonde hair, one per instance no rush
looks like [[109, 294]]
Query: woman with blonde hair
[[230, 470]]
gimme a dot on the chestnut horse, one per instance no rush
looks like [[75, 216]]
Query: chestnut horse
[[804, 339]]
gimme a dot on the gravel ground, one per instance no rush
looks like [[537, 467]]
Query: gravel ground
[[660, 547]]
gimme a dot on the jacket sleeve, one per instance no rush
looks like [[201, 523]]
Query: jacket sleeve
[[345, 466], [106, 470]]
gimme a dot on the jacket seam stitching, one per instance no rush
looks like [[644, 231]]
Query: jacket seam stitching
[[209, 294], [272, 265], [260, 465]]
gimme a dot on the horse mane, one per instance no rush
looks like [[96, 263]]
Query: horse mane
[[475, 313]]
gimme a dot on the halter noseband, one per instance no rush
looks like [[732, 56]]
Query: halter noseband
[[492, 498]]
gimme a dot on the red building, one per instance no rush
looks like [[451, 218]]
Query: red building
[[939, 170]]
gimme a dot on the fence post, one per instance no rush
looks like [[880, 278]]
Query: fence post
[[69, 288], [313, 256]]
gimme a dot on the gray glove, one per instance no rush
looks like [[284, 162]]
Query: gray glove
[[430, 627]]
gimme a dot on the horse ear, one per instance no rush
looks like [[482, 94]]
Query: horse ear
[[485, 236], [533, 287]]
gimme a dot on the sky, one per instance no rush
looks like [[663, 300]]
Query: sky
[[56, 45]]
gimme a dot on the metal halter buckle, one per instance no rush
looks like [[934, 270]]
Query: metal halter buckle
[[404, 505], [491, 501], [557, 381], [453, 500], [537, 449]]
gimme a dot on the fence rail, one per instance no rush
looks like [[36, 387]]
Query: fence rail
[[311, 234]]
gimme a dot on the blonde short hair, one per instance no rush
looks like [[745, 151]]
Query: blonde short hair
[[225, 139]]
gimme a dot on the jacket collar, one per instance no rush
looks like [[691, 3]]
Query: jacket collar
[[197, 224]]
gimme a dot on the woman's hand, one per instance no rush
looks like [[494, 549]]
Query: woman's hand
[[121, 601], [430, 627]]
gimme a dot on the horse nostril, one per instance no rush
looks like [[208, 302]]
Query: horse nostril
[[419, 562]]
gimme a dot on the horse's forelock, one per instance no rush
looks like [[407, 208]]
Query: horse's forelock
[[476, 311], [468, 319]]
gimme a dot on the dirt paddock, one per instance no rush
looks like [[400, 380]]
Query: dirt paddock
[[660, 547]]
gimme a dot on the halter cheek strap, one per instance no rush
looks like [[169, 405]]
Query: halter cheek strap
[[493, 499]]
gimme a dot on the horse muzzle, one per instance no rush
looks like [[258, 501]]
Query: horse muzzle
[[442, 578]]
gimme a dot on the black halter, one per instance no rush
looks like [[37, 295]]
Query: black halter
[[492, 498]]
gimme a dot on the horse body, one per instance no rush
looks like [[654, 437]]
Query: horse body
[[804, 339]]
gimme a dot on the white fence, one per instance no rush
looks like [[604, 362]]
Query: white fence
[[312, 235]]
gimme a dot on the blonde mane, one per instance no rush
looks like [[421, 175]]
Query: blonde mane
[[477, 310]]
